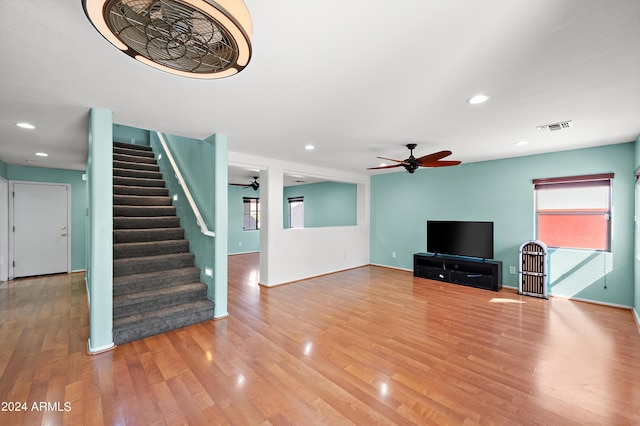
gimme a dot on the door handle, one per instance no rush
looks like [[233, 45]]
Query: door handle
[[63, 231]]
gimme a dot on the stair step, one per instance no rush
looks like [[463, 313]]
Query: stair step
[[133, 283], [144, 211], [141, 200], [139, 265], [137, 166], [152, 248], [133, 181], [140, 190], [136, 152], [133, 146], [156, 286], [143, 302], [138, 326], [142, 235], [133, 158], [146, 222], [145, 174]]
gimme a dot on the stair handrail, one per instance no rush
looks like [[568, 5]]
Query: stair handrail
[[185, 188]]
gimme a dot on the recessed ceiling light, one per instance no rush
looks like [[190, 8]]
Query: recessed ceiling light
[[521, 143], [26, 126], [478, 99], [382, 165], [309, 147], [42, 154]]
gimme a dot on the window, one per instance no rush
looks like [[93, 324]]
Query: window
[[250, 214], [574, 212], [296, 212]]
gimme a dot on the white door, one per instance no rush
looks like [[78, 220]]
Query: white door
[[40, 228], [4, 229]]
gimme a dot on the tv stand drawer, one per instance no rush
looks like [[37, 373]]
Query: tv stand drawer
[[432, 273], [485, 274]]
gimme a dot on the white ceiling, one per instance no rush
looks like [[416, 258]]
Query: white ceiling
[[356, 78]]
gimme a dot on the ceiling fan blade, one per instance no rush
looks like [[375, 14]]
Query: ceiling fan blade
[[385, 167], [391, 159], [433, 157], [441, 163], [239, 184]]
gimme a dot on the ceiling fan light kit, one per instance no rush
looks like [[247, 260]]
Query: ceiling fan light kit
[[412, 164], [193, 38]]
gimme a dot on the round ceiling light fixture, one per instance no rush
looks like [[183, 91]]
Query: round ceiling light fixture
[[192, 38]]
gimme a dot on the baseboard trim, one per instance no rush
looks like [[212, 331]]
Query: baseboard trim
[[637, 318], [99, 350], [223, 316], [243, 252], [595, 302], [311, 277], [397, 268]]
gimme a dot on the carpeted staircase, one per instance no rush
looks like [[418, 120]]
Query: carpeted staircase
[[156, 287]]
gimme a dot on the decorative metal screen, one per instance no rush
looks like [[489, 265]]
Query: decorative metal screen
[[534, 269]]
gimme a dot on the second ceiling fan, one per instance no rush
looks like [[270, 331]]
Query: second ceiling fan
[[411, 164], [253, 184]]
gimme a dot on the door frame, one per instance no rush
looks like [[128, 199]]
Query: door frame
[[4, 229], [12, 222]]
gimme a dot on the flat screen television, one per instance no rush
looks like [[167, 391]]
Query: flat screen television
[[472, 239]]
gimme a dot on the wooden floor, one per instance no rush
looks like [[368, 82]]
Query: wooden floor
[[365, 346]]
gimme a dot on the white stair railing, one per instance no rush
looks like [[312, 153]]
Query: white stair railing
[[185, 188]]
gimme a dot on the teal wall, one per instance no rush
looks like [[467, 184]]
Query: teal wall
[[78, 203], [203, 164], [100, 230], [501, 191], [132, 135], [241, 241], [3, 169], [325, 204]]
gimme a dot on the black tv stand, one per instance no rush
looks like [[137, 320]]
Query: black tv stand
[[480, 273]]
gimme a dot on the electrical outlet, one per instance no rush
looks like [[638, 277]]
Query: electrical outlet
[[208, 272], [393, 254], [512, 270], [240, 243]]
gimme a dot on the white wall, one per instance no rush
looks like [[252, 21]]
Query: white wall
[[293, 254]]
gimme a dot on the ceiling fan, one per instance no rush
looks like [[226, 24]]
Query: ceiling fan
[[412, 163], [254, 184]]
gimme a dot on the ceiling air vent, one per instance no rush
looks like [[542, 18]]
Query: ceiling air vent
[[555, 126]]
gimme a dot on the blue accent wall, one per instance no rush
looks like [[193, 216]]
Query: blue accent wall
[[132, 135], [78, 203], [203, 165], [3, 169], [100, 230], [501, 191], [241, 241], [325, 204]]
